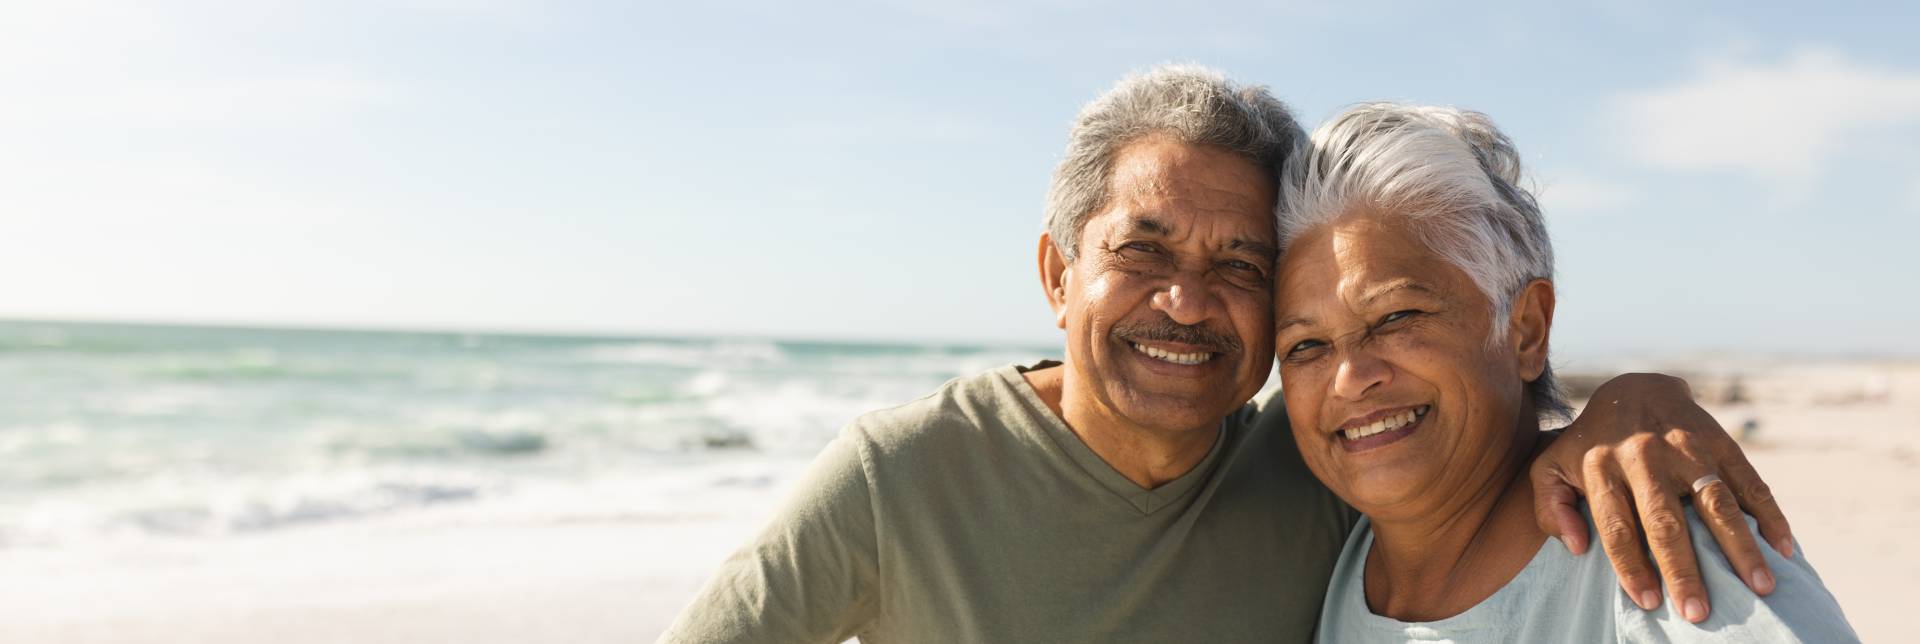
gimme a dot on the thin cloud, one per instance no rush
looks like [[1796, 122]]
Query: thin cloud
[[122, 64], [894, 128], [1581, 194], [1771, 120], [294, 96]]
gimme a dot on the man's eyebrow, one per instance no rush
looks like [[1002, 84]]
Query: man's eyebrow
[[1148, 224], [1151, 225], [1263, 249]]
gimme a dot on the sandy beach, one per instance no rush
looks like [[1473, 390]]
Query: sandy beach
[[1838, 441], [515, 570], [1840, 444]]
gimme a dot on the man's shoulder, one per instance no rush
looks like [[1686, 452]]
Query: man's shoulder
[[966, 408]]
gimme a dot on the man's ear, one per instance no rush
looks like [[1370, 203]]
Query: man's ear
[[1053, 278], [1529, 327]]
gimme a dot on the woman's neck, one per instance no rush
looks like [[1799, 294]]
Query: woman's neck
[[1438, 563]]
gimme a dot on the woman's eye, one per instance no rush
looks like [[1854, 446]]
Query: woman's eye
[[1139, 246], [1303, 345]]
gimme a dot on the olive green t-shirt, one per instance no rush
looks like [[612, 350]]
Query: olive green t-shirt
[[976, 515]]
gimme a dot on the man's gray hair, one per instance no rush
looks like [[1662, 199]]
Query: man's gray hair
[[1191, 104], [1453, 178]]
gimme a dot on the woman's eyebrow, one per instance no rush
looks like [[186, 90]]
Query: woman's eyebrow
[[1292, 321], [1375, 293]]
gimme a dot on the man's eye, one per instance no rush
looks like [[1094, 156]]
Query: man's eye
[[1139, 246], [1241, 266], [1397, 316]]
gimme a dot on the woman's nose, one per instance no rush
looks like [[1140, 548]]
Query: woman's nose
[[1360, 371]]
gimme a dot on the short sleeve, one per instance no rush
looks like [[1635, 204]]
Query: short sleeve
[[1800, 609], [809, 576]]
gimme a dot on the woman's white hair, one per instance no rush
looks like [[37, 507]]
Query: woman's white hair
[[1453, 178], [1192, 104]]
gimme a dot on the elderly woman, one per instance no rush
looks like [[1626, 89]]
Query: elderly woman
[[1415, 304]]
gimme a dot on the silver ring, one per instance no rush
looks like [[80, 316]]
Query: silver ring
[[1700, 484]]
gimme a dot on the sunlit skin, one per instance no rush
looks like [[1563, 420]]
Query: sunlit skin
[[1373, 324], [1187, 242], [1197, 264]]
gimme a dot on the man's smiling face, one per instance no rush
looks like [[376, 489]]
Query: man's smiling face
[[1168, 306]]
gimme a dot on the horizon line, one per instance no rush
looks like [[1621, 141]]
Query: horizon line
[[589, 333]]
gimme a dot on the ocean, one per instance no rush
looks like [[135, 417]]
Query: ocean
[[119, 431]]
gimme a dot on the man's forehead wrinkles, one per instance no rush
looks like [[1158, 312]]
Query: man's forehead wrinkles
[[1143, 182], [1193, 193]]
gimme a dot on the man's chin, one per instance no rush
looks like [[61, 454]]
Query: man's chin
[[1177, 409]]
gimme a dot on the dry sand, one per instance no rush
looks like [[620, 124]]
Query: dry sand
[[1840, 443]]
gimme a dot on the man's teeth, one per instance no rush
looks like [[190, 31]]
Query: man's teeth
[[1387, 424], [1169, 356]]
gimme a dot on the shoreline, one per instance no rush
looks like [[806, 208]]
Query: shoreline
[[616, 562]]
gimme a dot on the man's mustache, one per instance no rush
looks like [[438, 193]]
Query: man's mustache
[[1166, 330]]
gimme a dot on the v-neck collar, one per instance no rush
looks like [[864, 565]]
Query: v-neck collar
[[1142, 499]]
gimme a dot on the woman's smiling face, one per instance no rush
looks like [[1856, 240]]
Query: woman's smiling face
[[1395, 394]]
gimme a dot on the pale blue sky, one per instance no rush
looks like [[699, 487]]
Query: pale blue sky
[[1718, 176]]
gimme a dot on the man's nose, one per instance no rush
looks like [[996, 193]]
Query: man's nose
[[1360, 371], [1185, 301]]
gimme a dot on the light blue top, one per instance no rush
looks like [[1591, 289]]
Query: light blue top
[[1560, 597]]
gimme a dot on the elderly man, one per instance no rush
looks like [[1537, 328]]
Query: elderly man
[[1129, 494]]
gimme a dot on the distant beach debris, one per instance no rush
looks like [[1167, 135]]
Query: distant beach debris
[[1816, 384], [503, 442], [1876, 389], [1721, 389], [717, 439]]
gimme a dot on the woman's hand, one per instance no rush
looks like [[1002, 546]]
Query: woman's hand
[[1638, 447]]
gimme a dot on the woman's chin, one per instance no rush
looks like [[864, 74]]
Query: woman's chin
[[1383, 490]]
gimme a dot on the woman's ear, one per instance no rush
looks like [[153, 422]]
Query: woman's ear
[[1053, 279], [1529, 326]]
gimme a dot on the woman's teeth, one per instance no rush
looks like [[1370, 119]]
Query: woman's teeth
[[1387, 424], [1169, 356]]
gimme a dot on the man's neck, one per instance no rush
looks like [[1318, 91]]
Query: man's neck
[[1444, 560], [1148, 457]]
